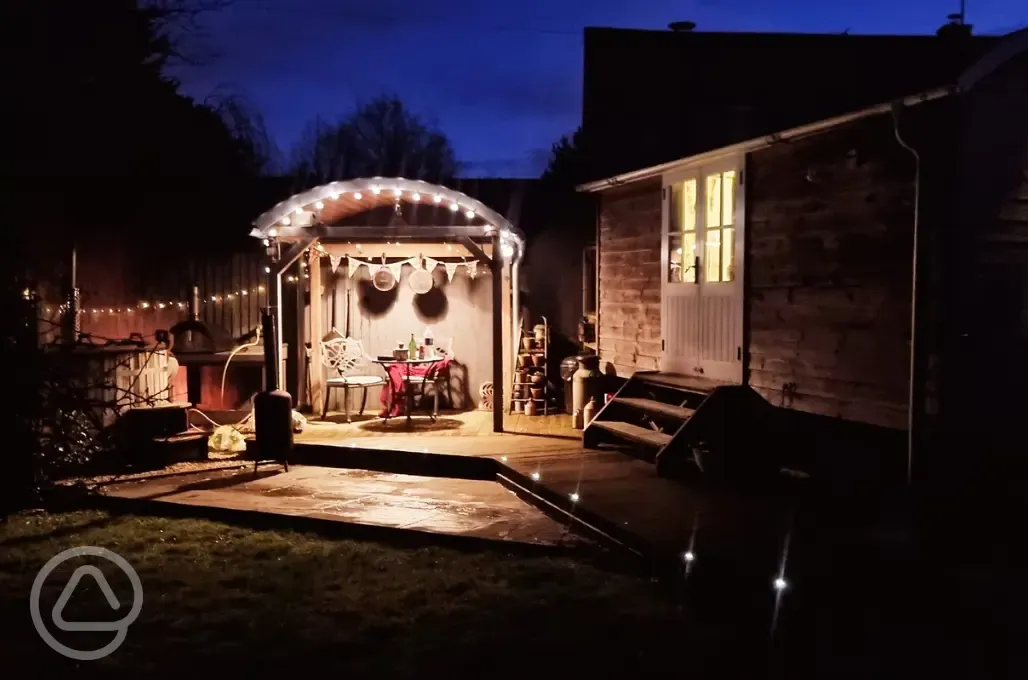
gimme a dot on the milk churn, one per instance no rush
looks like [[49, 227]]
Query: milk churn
[[586, 382]]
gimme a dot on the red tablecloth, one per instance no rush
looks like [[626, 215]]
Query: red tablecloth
[[397, 375]]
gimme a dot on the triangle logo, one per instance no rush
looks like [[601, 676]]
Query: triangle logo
[[69, 589]]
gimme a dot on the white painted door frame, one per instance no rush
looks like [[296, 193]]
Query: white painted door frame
[[702, 321]]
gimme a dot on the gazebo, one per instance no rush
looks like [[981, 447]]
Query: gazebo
[[324, 223]]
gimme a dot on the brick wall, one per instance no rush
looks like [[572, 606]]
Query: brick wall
[[629, 272]]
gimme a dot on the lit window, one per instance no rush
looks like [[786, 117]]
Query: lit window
[[719, 236], [682, 236]]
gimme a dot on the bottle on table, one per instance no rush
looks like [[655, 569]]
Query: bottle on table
[[412, 348]]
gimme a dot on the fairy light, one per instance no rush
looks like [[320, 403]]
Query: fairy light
[[285, 223], [334, 195], [397, 193], [267, 270], [573, 497], [298, 211], [376, 190], [438, 198], [273, 232], [161, 305], [415, 196], [144, 305], [454, 207], [688, 556], [266, 242], [319, 205], [780, 584], [536, 476], [469, 214], [243, 293], [357, 195], [260, 289]]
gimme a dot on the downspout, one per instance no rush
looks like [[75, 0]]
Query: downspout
[[912, 387], [515, 291]]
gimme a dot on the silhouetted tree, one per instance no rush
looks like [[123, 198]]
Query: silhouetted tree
[[572, 161], [381, 137]]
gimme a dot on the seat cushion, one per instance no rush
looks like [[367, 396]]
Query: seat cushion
[[356, 380]]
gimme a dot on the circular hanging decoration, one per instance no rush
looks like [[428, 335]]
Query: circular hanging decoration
[[421, 280], [384, 279]]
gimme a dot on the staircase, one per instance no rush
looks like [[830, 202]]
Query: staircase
[[679, 421]]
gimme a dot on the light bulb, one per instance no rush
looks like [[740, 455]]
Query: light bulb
[[273, 232], [536, 476], [319, 205], [161, 305], [376, 190], [574, 497], [507, 250], [144, 305], [358, 195], [298, 211], [243, 293], [266, 243], [415, 196], [397, 193], [438, 198], [679, 251], [267, 270], [454, 207], [469, 214], [110, 311], [688, 556], [780, 584], [334, 196]]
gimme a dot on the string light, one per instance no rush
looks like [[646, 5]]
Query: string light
[[376, 190], [781, 584], [273, 232], [454, 207], [319, 205], [469, 214], [536, 476], [688, 556], [415, 197], [144, 305], [397, 193], [266, 242], [574, 497], [334, 196], [438, 198], [357, 195], [267, 270], [285, 223], [298, 211]]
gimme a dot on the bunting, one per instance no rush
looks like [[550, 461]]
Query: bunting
[[353, 264]]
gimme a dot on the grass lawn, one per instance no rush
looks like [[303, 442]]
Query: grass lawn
[[230, 599]]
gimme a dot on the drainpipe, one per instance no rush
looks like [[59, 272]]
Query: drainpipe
[[515, 288], [912, 387]]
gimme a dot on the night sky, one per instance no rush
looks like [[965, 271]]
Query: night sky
[[501, 79]]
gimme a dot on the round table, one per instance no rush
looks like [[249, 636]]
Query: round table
[[386, 363]]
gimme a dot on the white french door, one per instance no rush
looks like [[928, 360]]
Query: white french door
[[702, 255]]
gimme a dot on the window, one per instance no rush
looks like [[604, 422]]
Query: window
[[589, 281], [682, 233], [719, 231]]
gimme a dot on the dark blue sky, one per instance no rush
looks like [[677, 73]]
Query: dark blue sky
[[501, 78]]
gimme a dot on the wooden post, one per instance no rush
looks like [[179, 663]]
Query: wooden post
[[299, 355], [317, 332], [499, 359]]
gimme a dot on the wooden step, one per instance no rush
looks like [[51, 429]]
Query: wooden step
[[688, 383], [640, 435], [659, 407]]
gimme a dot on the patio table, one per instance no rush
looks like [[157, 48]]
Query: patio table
[[397, 369]]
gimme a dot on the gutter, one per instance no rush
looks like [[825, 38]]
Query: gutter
[[763, 142]]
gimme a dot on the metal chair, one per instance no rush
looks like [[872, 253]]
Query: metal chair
[[346, 358], [438, 378]]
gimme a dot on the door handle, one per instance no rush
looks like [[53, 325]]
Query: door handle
[[696, 266]]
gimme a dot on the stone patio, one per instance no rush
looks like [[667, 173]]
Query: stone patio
[[461, 507]]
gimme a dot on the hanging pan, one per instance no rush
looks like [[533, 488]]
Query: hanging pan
[[384, 279], [421, 280]]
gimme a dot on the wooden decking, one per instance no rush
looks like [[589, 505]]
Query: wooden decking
[[616, 494]]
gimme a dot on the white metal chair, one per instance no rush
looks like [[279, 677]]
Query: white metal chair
[[346, 358], [439, 379]]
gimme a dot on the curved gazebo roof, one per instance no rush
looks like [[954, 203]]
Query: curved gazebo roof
[[334, 201]]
